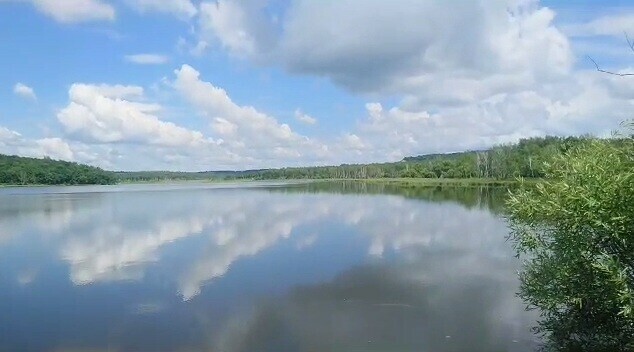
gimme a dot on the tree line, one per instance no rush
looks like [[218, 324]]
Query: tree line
[[526, 159], [523, 159], [16, 170], [158, 176]]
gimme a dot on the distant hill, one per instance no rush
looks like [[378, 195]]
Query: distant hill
[[16, 170]]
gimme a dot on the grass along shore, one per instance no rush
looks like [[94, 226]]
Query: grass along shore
[[421, 182]]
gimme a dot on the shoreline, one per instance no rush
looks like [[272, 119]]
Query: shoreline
[[423, 182], [405, 182]]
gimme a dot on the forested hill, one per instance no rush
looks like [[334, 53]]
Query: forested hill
[[523, 159], [15, 170]]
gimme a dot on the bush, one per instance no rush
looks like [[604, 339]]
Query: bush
[[576, 232]]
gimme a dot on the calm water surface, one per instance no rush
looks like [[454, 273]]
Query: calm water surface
[[267, 268]]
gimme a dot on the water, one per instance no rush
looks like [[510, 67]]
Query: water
[[268, 268]]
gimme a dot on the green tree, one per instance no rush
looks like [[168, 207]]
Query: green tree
[[576, 230], [25, 171]]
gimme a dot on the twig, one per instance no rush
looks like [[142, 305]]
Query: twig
[[629, 42], [609, 72]]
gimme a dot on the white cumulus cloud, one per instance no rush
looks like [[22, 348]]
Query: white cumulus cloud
[[114, 114], [14, 143], [245, 130]]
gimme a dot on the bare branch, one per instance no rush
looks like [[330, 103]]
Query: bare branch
[[629, 42], [609, 72]]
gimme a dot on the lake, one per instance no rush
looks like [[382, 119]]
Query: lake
[[258, 267]]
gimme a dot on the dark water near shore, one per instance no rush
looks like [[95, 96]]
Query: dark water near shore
[[317, 267]]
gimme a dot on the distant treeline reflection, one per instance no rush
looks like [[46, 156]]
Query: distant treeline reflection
[[476, 196]]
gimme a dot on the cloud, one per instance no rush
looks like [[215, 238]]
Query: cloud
[[115, 126], [24, 91], [56, 147], [238, 25], [513, 76], [13, 143], [396, 49], [243, 129], [121, 117], [352, 142], [181, 8], [6, 135], [74, 11], [114, 114], [304, 118], [435, 79], [585, 103], [147, 59], [106, 156]]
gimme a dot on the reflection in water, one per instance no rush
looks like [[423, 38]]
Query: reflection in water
[[245, 227], [113, 252], [384, 309], [473, 196], [302, 269], [22, 213]]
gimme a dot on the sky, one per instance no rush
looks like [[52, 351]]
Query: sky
[[238, 84]]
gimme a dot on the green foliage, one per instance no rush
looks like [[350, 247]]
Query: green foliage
[[576, 230], [153, 176], [17, 170], [524, 159]]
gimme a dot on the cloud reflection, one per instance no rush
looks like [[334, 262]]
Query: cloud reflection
[[360, 272], [117, 236], [117, 253], [248, 226]]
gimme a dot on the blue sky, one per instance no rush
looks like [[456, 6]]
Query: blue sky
[[203, 85]]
